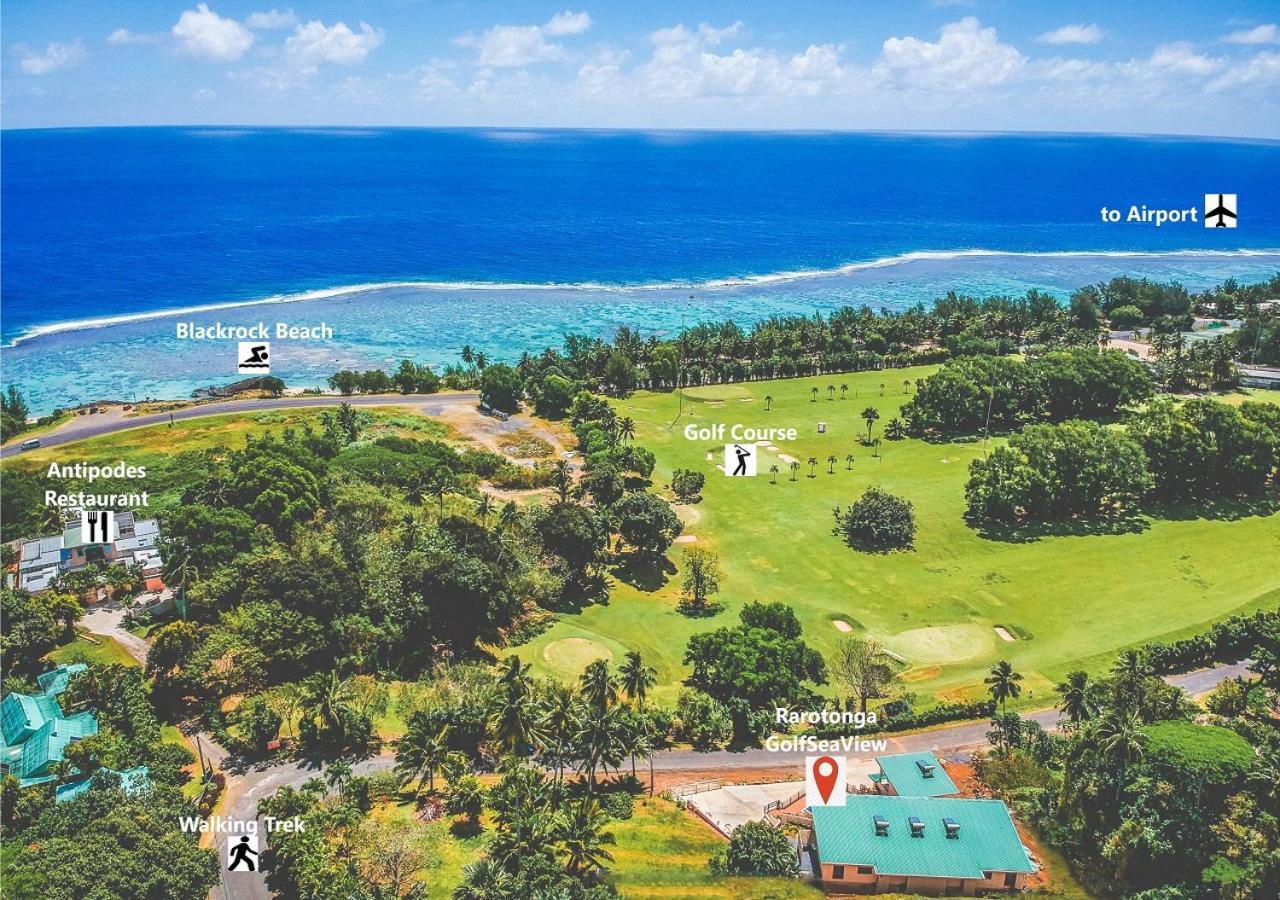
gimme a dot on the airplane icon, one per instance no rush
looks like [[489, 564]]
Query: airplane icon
[[1224, 210]]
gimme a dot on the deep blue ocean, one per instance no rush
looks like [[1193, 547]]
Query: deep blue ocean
[[523, 235]]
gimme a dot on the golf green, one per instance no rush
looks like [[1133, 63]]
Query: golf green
[[1062, 602]]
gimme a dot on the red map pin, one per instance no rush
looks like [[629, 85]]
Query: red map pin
[[824, 776]]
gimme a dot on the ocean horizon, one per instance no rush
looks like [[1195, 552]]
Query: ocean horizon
[[413, 242]]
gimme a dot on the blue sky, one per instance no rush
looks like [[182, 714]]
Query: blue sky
[[1158, 67]]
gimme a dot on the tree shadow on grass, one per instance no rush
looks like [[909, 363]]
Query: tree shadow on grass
[[644, 573], [1220, 510], [1030, 532]]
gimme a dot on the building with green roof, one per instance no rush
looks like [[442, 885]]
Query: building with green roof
[[35, 732], [913, 775], [923, 845], [131, 781]]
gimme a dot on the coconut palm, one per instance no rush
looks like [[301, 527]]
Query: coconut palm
[[468, 355], [795, 469], [848, 462], [1003, 683], [844, 389], [327, 700], [831, 464], [481, 360], [1129, 679], [813, 464], [768, 402], [831, 392], [814, 399], [626, 428], [1077, 703], [337, 774], [598, 685], [421, 753], [439, 485], [512, 720], [870, 415], [484, 507], [637, 678], [561, 719], [906, 385], [773, 474], [882, 389], [1123, 741], [582, 838]]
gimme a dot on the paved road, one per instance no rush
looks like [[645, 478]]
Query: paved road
[[114, 420]]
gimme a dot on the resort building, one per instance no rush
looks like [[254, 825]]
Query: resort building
[[36, 732], [913, 775], [916, 845], [133, 544]]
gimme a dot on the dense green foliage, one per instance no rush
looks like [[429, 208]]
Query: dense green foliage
[[756, 848], [878, 521]]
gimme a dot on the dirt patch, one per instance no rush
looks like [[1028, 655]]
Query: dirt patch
[[842, 625], [525, 445], [922, 674], [686, 539], [1005, 635]]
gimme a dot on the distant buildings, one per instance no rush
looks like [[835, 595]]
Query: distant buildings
[[134, 544]]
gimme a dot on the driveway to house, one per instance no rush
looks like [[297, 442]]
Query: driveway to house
[[113, 419]]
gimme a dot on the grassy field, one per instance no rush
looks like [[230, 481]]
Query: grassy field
[[95, 650], [1068, 600]]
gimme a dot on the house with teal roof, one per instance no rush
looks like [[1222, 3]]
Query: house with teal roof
[[131, 781], [35, 731], [917, 845], [913, 775]]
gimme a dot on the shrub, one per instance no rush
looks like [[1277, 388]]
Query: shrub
[[618, 805], [878, 521], [758, 848], [687, 484]]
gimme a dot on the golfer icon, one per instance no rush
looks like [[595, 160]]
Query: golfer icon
[[239, 853], [743, 455]]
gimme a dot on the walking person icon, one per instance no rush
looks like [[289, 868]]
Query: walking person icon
[[239, 853]]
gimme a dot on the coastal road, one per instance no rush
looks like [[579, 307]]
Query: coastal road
[[114, 420]]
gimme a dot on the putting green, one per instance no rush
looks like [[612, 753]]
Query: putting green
[[1084, 597]]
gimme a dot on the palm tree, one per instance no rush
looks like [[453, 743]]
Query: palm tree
[[337, 774], [439, 486], [773, 474], [815, 395], [813, 464], [421, 753], [848, 462], [870, 415], [560, 720], [484, 507], [327, 700], [1003, 683], [598, 685], [511, 712], [582, 837], [831, 464], [768, 402], [468, 355], [831, 392], [882, 389], [1123, 741], [906, 385], [1077, 703], [626, 428], [481, 360], [795, 469], [484, 880], [598, 745], [844, 389], [1129, 678], [637, 678]]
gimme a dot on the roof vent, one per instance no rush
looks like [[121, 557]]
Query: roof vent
[[926, 769], [917, 826], [882, 826], [953, 828]]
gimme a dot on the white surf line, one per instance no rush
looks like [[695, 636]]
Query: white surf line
[[737, 281]]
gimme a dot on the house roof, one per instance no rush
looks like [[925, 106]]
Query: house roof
[[986, 842], [55, 681], [21, 715], [131, 780], [907, 773]]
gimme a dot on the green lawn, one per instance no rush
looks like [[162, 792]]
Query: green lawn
[[1070, 600], [662, 854], [96, 650], [444, 853]]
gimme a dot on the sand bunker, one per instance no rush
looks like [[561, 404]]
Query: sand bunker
[[1004, 635], [842, 625], [686, 539], [787, 459]]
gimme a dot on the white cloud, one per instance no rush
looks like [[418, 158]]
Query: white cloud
[[1072, 34], [1181, 57], [206, 94], [204, 34], [1263, 34], [566, 23], [272, 20], [684, 65], [512, 46], [1262, 69], [314, 43], [965, 55], [125, 36], [55, 57]]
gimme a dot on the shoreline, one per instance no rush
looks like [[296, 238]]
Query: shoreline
[[716, 284]]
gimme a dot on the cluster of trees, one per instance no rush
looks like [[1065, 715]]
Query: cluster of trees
[[31, 626], [410, 378], [976, 394], [1148, 795], [13, 413], [878, 521], [1200, 450]]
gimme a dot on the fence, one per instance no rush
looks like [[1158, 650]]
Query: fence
[[780, 804], [680, 791]]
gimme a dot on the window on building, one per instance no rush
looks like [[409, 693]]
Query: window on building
[[866, 870], [837, 872]]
